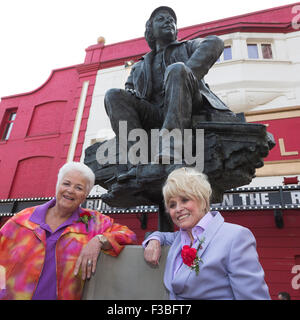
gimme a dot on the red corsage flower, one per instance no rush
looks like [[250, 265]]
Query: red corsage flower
[[85, 217], [189, 256]]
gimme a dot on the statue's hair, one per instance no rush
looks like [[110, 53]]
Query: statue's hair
[[82, 169], [149, 34], [189, 183]]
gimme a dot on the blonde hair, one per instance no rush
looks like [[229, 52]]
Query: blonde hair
[[189, 183]]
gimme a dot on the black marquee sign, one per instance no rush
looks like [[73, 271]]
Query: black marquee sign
[[257, 198], [249, 198], [240, 199]]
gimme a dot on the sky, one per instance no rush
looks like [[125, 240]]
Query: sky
[[38, 36]]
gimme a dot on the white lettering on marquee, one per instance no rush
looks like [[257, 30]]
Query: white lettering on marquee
[[265, 199], [254, 199], [295, 196], [227, 200], [244, 198]]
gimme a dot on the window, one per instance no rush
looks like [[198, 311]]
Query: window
[[226, 55], [7, 124], [252, 51], [266, 50], [260, 51]]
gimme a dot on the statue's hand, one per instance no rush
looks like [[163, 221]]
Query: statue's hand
[[132, 91]]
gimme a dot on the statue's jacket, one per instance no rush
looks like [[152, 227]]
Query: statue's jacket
[[198, 54], [23, 247]]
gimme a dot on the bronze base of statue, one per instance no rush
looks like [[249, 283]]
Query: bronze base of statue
[[232, 152]]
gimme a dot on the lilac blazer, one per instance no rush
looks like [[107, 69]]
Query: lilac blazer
[[230, 268]]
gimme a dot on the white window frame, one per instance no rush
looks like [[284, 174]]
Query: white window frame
[[221, 59], [259, 49]]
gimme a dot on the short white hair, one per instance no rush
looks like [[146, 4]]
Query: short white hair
[[79, 167]]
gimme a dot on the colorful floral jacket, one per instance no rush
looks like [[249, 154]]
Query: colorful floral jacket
[[22, 253]]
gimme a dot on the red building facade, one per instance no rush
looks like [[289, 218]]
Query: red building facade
[[36, 143], [35, 148]]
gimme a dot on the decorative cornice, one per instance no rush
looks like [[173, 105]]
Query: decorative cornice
[[241, 27], [273, 114], [86, 68]]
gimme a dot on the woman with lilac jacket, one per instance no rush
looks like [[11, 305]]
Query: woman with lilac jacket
[[208, 258]]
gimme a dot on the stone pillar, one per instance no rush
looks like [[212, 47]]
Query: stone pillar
[[127, 277]]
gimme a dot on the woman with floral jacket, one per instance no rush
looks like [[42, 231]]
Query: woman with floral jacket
[[48, 251]]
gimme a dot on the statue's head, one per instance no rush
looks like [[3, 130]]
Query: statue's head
[[149, 34]]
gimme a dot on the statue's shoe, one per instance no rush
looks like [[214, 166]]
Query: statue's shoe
[[127, 175]]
